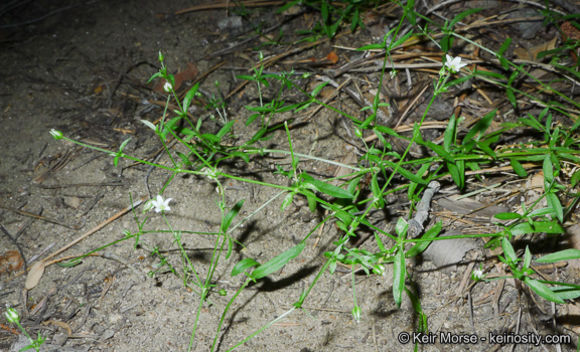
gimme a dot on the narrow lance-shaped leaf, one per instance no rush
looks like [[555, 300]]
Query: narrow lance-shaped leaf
[[508, 250], [479, 128], [501, 51], [227, 221], [326, 188], [399, 272], [429, 235], [449, 136], [566, 254], [278, 262], [189, 96], [518, 168], [543, 290], [244, 264]]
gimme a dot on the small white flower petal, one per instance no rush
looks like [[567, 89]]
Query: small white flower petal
[[167, 87], [448, 59], [477, 274], [454, 64], [161, 204]]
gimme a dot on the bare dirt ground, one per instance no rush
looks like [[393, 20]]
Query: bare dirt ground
[[82, 68]]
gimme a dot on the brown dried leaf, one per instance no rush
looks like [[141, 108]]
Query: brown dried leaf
[[531, 54], [10, 261], [181, 77], [332, 57], [34, 275]]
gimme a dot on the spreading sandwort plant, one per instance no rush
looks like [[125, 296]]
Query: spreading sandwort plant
[[381, 171]]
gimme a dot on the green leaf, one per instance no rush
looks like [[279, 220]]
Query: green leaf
[[566, 254], [155, 75], [246, 77], [388, 131], [401, 228], [227, 220], [242, 155], [508, 250], [446, 42], [399, 271], [288, 5], [518, 168], [317, 89], [224, 130], [449, 136], [575, 179], [70, 263], [171, 125], [479, 128], [507, 216], [549, 227], [413, 186], [462, 15], [401, 40], [436, 148], [184, 158], [565, 292], [250, 119], [405, 173], [543, 290], [554, 203], [149, 124], [371, 47], [326, 188], [278, 262], [532, 122], [189, 96], [458, 81], [324, 12], [244, 264], [410, 12], [376, 190], [416, 302], [120, 152], [429, 235], [509, 91], [311, 201], [353, 184], [213, 139], [457, 172], [257, 135], [527, 258], [501, 51], [287, 200], [379, 242], [490, 74], [344, 217]]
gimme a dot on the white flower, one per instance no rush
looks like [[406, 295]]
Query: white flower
[[160, 204], [454, 63], [167, 87], [477, 274], [56, 134], [209, 173], [11, 315]]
